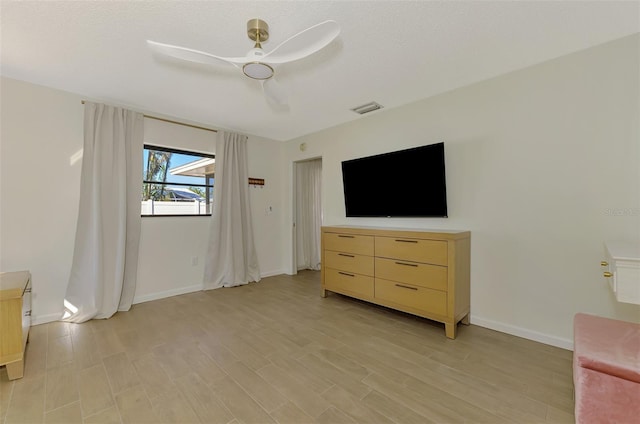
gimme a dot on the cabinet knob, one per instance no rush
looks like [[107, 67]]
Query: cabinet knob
[[604, 263], [608, 274]]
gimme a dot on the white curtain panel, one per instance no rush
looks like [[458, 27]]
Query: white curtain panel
[[105, 257], [231, 258], [309, 213]]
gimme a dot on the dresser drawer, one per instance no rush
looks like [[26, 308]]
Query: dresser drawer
[[424, 275], [428, 300], [348, 283], [348, 243], [350, 262], [426, 251]]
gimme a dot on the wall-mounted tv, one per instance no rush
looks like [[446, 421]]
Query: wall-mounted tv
[[406, 183]]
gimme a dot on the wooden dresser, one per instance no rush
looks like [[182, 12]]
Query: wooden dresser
[[425, 273], [15, 320]]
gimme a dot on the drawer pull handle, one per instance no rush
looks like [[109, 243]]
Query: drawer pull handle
[[347, 274], [608, 274], [406, 241], [604, 263], [28, 290], [406, 264], [343, 236], [344, 254], [27, 314], [406, 287]]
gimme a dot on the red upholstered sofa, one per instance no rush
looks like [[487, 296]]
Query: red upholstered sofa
[[606, 370]]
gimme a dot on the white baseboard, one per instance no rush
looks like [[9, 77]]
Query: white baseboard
[[476, 320], [43, 319], [188, 289], [272, 273], [522, 332], [167, 293]]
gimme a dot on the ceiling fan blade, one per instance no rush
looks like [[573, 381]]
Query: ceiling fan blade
[[191, 55], [275, 93], [304, 43]]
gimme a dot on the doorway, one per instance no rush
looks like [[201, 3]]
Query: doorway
[[307, 214]]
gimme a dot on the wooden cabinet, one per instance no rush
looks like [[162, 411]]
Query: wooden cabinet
[[425, 273], [15, 320]]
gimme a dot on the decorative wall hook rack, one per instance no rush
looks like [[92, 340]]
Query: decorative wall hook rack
[[256, 182]]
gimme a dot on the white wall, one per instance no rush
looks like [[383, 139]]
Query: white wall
[[40, 145], [266, 159], [40, 142], [535, 160]]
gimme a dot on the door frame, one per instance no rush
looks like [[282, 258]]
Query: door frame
[[294, 209]]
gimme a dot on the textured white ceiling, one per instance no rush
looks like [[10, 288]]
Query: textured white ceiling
[[390, 52]]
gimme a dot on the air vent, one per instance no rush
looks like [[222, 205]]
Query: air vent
[[369, 107]]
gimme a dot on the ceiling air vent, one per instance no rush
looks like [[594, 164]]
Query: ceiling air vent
[[369, 107]]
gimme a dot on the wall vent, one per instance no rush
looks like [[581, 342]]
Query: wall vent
[[369, 107]]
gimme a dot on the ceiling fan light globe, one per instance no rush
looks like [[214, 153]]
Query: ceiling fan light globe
[[257, 70]]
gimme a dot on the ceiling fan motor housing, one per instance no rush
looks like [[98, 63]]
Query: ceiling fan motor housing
[[257, 30]]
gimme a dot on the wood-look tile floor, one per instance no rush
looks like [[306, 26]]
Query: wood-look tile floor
[[276, 351]]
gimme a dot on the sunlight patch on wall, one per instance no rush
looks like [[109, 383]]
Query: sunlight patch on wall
[[75, 157]]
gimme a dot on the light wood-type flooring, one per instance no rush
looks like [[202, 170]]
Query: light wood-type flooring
[[275, 351]]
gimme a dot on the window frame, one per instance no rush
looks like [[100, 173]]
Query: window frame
[[206, 185]]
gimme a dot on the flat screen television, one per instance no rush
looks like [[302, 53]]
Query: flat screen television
[[406, 183]]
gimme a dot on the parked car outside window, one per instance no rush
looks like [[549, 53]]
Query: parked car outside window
[[182, 195]]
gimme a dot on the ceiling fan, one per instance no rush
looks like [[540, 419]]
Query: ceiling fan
[[258, 64]]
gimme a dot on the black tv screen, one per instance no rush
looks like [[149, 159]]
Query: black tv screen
[[406, 183]]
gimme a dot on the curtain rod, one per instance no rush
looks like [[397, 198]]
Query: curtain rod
[[174, 122]]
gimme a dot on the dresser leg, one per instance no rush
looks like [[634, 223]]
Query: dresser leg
[[323, 293], [465, 320], [15, 369], [450, 330]]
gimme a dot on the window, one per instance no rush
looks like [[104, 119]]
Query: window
[[176, 182]]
